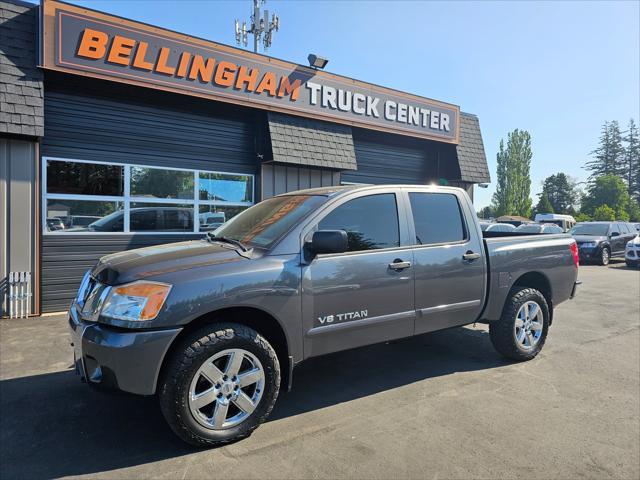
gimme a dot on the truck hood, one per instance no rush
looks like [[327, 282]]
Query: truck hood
[[147, 262], [589, 238]]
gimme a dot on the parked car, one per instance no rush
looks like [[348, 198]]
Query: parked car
[[538, 228], [216, 326], [566, 222], [636, 226], [632, 252], [144, 219], [496, 227], [600, 241], [54, 224]]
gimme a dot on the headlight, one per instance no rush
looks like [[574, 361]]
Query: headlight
[[136, 302], [589, 244]]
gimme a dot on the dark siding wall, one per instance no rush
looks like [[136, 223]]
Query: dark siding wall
[[105, 122], [385, 158], [277, 179]]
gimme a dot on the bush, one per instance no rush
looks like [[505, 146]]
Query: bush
[[582, 217], [604, 213]]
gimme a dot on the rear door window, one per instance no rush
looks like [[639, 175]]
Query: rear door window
[[371, 222], [437, 218]]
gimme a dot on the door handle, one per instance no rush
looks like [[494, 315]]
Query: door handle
[[470, 256], [398, 264]]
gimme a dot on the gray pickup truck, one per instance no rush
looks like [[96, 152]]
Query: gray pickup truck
[[215, 327]]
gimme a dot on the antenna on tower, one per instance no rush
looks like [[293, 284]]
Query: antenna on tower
[[260, 27]]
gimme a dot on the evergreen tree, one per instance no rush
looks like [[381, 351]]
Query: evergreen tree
[[544, 205], [561, 192], [513, 187], [631, 161], [609, 156]]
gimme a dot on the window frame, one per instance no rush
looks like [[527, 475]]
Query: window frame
[[410, 217], [127, 198]]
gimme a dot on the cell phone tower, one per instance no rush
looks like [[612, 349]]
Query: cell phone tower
[[259, 27]]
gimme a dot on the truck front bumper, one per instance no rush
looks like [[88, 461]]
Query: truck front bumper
[[127, 360]]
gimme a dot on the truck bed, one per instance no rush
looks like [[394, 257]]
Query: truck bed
[[511, 256]]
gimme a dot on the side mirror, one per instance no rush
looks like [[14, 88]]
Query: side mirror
[[329, 241], [615, 234]]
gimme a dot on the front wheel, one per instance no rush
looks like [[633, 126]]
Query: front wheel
[[522, 329], [605, 256], [220, 385]]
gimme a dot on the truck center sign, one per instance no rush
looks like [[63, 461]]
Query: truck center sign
[[81, 41]]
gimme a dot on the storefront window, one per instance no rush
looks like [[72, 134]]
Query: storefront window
[[89, 197], [85, 178], [84, 215], [165, 217], [159, 183], [221, 187]]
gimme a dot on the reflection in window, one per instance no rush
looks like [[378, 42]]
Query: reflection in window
[[158, 183], [84, 178], [212, 216], [366, 230], [225, 188], [160, 217], [84, 216]]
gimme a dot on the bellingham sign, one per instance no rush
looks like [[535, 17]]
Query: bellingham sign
[[81, 41]]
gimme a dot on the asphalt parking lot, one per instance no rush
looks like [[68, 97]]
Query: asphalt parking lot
[[443, 405]]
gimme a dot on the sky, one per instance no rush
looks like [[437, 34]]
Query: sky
[[556, 69]]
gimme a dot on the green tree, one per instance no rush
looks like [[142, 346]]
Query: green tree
[[544, 205], [486, 213], [608, 157], [607, 190], [604, 213], [634, 211], [582, 217], [513, 185], [562, 192], [631, 161]]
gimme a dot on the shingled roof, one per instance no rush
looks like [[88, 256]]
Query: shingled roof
[[304, 141], [21, 98], [471, 156]]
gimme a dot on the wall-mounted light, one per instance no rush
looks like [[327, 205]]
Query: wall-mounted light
[[316, 61], [483, 185]]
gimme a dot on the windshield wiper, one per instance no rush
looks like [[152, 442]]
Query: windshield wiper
[[213, 238]]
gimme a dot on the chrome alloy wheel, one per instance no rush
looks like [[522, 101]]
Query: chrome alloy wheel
[[226, 389], [528, 325], [605, 256]]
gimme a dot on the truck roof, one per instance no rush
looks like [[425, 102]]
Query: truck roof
[[341, 189]]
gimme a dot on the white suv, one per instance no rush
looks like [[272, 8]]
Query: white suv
[[632, 252]]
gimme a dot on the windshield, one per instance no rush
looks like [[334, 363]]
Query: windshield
[[529, 229], [594, 229], [265, 223]]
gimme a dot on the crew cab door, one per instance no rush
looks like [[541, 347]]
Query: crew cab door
[[617, 239], [449, 260], [364, 295]]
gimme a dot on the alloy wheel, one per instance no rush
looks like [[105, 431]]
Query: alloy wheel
[[226, 389], [528, 325]]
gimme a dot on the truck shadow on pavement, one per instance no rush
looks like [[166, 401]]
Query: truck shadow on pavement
[[53, 426]]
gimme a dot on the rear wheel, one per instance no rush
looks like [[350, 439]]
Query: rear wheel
[[221, 385], [522, 329], [605, 256]]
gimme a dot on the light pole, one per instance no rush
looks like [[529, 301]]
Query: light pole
[[258, 27]]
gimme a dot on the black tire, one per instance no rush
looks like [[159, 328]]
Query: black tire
[[185, 362], [605, 256], [502, 332]]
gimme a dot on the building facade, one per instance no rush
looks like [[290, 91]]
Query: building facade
[[116, 135]]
